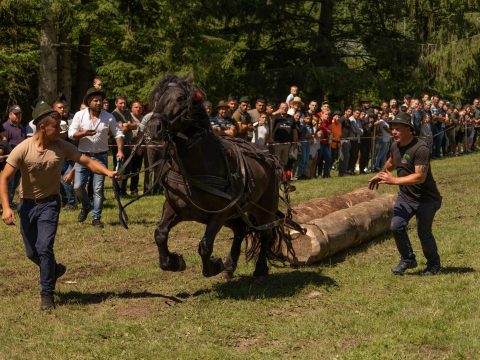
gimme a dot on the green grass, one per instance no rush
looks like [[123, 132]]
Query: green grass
[[115, 303]]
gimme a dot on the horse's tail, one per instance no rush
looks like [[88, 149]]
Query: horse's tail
[[279, 238]]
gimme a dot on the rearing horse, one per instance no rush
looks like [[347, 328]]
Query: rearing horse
[[213, 180]]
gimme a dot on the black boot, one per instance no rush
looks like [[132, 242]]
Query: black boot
[[404, 265], [47, 302]]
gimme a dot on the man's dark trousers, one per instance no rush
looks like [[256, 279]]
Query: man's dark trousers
[[38, 226], [403, 211]]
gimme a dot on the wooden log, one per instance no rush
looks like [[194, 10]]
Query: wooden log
[[318, 208], [341, 230]]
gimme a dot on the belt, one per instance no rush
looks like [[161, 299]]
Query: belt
[[89, 154], [42, 200]]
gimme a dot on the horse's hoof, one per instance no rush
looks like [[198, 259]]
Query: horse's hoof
[[214, 267], [260, 273], [227, 274], [181, 263], [174, 262]]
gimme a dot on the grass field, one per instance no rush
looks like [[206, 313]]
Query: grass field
[[115, 303]]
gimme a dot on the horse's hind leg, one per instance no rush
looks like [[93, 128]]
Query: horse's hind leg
[[168, 261], [240, 230], [211, 266]]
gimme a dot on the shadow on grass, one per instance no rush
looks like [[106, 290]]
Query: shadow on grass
[[278, 285], [444, 270], [76, 297]]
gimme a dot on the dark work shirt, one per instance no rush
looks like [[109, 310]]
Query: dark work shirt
[[347, 131], [404, 159], [283, 129]]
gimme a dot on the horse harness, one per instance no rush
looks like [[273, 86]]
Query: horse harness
[[207, 183]]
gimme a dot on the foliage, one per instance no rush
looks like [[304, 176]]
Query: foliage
[[339, 50]]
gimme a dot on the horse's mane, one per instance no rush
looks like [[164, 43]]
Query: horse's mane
[[194, 109]]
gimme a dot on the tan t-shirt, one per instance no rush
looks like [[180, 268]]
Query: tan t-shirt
[[41, 170]]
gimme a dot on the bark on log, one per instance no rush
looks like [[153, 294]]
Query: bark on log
[[341, 230], [318, 208]]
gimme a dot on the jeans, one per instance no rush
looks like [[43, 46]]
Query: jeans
[[381, 153], [38, 226], [344, 157], [82, 175], [68, 188], [303, 161], [324, 155], [403, 211]]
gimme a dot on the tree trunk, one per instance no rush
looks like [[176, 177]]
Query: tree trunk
[[83, 75], [65, 69], [325, 26], [47, 90]]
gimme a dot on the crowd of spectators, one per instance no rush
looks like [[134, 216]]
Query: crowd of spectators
[[310, 139]]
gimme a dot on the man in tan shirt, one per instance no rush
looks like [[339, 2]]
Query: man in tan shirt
[[40, 159]]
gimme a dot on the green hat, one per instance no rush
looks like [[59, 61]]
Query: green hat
[[92, 92], [244, 99], [41, 110], [402, 118]]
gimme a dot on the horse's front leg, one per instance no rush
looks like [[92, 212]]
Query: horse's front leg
[[168, 261], [211, 266], [240, 230]]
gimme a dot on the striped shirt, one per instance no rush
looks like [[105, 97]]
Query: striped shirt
[[14, 134]]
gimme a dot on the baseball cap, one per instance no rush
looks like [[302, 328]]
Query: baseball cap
[[15, 109]]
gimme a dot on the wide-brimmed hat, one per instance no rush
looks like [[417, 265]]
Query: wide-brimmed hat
[[92, 92], [298, 100], [402, 118], [41, 110]]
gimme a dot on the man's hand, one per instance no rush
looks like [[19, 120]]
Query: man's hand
[[374, 182], [8, 216], [89, 132], [383, 177], [120, 155]]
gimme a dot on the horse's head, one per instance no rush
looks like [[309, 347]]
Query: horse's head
[[178, 105]]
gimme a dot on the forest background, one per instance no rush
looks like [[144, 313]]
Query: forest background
[[334, 50]]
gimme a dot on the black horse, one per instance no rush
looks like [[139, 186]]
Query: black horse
[[214, 180]]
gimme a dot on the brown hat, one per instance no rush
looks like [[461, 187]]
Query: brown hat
[[92, 92], [221, 104]]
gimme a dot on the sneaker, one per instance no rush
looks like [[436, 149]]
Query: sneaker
[[46, 302], [404, 265], [431, 270], [97, 223], [83, 214], [60, 269]]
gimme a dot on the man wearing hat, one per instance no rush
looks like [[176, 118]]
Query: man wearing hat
[[418, 194], [40, 159], [14, 133], [91, 127], [243, 120], [222, 124]]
